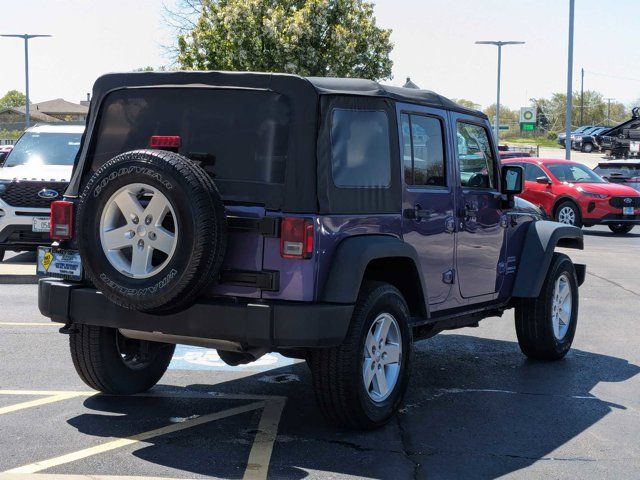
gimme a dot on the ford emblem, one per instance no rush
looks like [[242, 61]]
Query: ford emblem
[[627, 200], [47, 193]]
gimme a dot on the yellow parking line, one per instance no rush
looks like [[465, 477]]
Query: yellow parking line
[[141, 437], [260, 455], [37, 402], [48, 393], [65, 476], [29, 324]]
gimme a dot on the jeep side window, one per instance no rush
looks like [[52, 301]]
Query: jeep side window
[[423, 152], [360, 148], [474, 156]]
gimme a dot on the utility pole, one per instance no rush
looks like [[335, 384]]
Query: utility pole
[[498, 44], [567, 141], [581, 96], [26, 37], [608, 111]]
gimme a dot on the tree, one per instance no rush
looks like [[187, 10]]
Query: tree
[[305, 37], [507, 116], [467, 103], [13, 98]]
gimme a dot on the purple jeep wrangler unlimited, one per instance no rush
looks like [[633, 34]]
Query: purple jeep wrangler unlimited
[[335, 220]]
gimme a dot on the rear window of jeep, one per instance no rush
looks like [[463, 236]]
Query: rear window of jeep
[[240, 135]]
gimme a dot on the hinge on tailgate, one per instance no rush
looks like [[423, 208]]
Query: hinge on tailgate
[[266, 226], [265, 280]]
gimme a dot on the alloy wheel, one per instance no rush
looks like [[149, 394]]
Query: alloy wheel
[[138, 230], [382, 357], [561, 306], [567, 215]]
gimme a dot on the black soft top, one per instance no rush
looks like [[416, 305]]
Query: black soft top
[[304, 96]]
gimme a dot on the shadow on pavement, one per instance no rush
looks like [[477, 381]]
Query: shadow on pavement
[[476, 408], [635, 233]]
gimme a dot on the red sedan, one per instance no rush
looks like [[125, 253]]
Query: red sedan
[[571, 193]]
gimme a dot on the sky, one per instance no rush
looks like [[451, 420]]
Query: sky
[[434, 45]]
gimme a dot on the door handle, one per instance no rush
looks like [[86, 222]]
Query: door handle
[[421, 214]]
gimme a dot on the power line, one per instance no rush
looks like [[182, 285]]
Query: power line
[[613, 76]]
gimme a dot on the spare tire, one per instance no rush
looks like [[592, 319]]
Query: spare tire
[[151, 231]]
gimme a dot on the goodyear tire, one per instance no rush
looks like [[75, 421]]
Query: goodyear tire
[[110, 363], [151, 231], [546, 325], [361, 383]]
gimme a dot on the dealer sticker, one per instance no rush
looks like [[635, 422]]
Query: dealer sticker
[[56, 262]]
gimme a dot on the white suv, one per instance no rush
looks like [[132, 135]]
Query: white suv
[[35, 173]]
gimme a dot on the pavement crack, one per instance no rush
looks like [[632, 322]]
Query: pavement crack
[[406, 451], [614, 283]]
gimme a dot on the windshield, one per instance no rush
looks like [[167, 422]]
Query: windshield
[[36, 148], [574, 173], [621, 171]]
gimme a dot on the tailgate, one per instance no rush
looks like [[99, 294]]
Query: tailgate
[[242, 273]]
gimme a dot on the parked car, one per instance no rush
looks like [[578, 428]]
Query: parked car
[[579, 130], [587, 141], [507, 154], [573, 194], [316, 217], [4, 151], [623, 140], [34, 173], [626, 172]]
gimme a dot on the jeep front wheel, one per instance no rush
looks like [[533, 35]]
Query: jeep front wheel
[[546, 325], [111, 363], [361, 383]]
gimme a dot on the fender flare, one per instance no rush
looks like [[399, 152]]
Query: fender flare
[[540, 242], [351, 259]]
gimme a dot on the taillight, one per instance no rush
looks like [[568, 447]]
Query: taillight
[[296, 238], [61, 220], [164, 141]]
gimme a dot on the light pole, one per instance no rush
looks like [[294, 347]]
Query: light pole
[[498, 44], [26, 37], [567, 138]]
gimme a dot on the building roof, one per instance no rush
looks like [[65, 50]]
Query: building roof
[[34, 114], [60, 106]]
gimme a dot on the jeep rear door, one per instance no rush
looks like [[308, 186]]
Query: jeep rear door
[[481, 224], [427, 201]]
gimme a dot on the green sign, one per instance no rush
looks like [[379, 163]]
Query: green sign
[[527, 127]]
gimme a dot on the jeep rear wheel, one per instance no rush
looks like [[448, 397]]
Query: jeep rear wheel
[[111, 363], [546, 325], [361, 383], [151, 230]]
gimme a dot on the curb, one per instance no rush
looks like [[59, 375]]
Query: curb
[[18, 279]]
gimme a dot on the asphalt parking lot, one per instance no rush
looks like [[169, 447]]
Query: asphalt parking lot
[[476, 408]]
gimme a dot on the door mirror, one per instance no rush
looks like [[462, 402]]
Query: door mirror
[[512, 179], [543, 180]]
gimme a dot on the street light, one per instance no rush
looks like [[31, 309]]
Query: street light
[[498, 44], [26, 37], [567, 127]]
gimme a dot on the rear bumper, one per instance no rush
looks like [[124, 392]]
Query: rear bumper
[[265, 324]]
